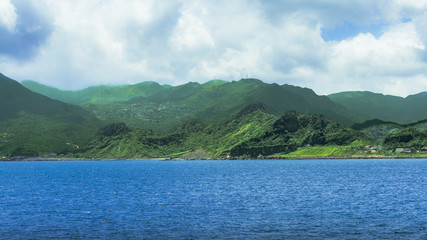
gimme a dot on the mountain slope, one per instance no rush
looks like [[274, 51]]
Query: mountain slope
[[31, 123], [228, 98], [97, 94], [253, 131], [410, 137], [216, 100], [213, 103], [417, 105], [389, 133], [384, 107]]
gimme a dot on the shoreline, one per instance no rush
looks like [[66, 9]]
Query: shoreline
[[42, 159]]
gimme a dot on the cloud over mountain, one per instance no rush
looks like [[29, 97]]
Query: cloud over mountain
[[329, 46]]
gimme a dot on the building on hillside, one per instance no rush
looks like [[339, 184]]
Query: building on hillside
[[407, 150]]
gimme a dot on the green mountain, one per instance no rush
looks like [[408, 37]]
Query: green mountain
[[394, 135], [410, 137], [97, 94], [384, 107], [215, 102], [214, 82], [378, 129], [253, 131], [31, 123]]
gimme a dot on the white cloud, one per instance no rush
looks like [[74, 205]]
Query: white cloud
[[366, 62], [190, 33], [109, 42], [7, 15]]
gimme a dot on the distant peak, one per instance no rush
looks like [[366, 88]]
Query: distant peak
[[30, 82], [418, 94], [192, 83], [214, 82], [250, 80], [147, 83]]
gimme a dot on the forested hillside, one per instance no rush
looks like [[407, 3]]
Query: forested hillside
[[31, 123], [385, 107], [216, 101], [255, 131]]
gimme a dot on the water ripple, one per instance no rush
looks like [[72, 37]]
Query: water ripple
[[318, 199]]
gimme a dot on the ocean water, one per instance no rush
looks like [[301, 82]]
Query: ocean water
[[266, 199]]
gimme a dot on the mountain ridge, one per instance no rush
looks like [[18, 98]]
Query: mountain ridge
[[213, 101], [221, 101], [246, 118], [101, 94], [384, 107]]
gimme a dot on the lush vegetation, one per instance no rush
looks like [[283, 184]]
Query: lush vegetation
[[31, 124], [216, 101], [255, 131], [217, 119], [385, 107], [410, 137], [322, 151], [391, 134]]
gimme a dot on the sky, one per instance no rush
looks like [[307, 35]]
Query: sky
[[326, 45]]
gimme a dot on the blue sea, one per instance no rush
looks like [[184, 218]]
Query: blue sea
[[256, 199]]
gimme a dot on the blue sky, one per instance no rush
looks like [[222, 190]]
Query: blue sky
[[326, 45], [348, 30]]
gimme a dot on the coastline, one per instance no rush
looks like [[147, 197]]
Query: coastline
[[41, 159]]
